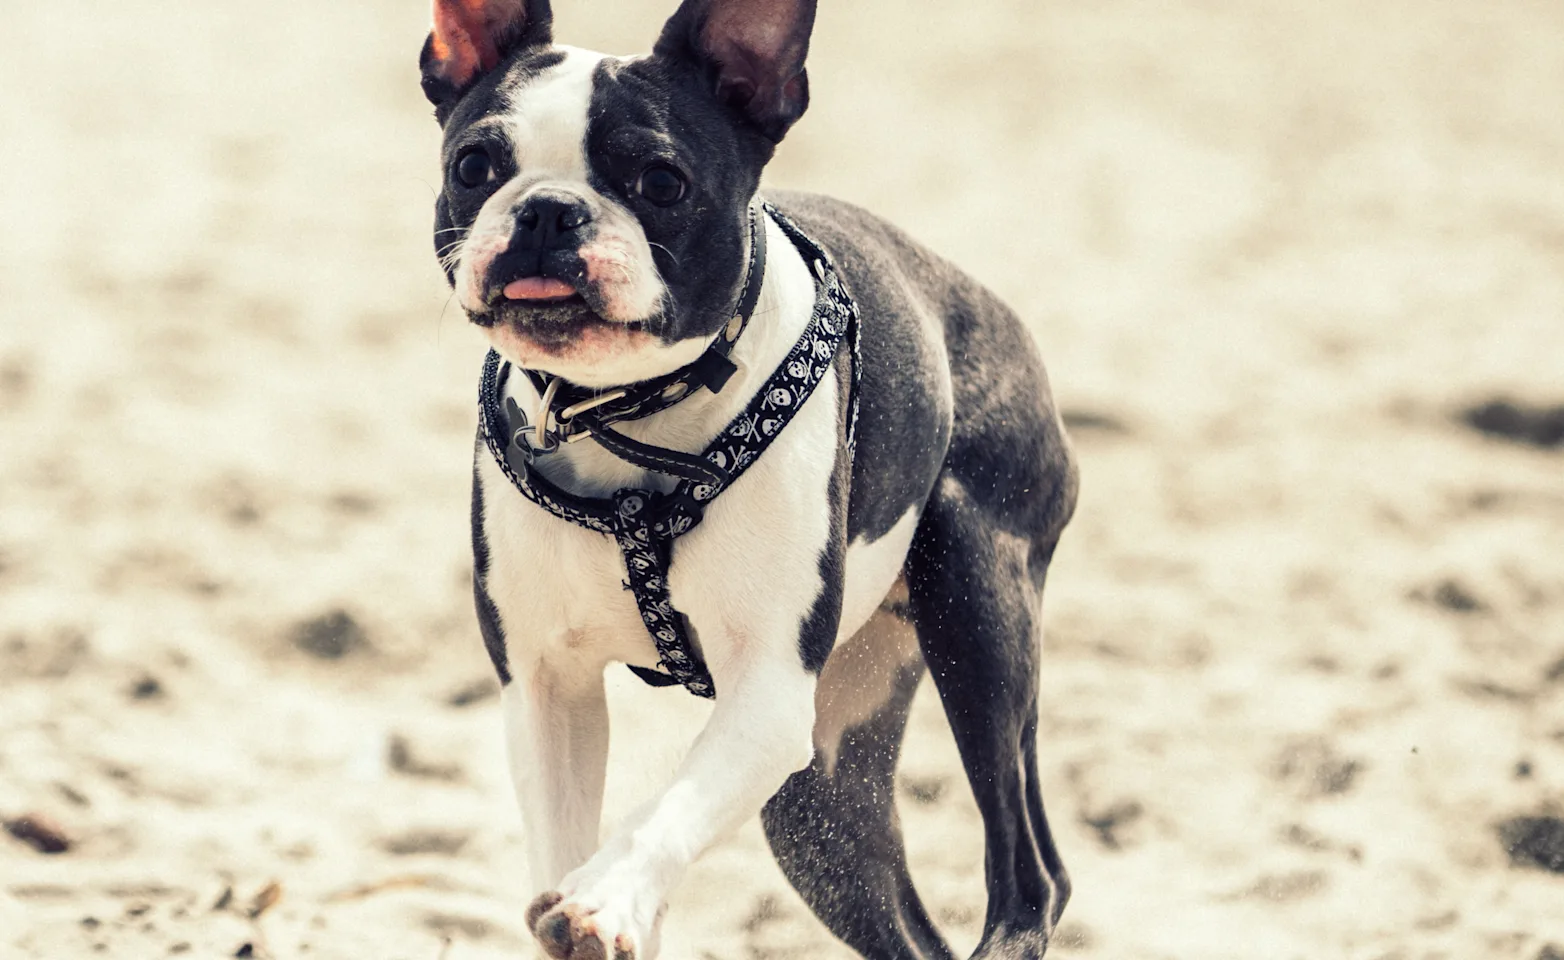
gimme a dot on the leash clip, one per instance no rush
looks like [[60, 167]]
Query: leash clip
[[519, 429], [530, 439]]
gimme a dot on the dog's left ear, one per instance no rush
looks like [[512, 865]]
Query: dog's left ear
[[471, 37], [751, 52]]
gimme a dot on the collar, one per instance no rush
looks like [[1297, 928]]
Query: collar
[[568, 412]]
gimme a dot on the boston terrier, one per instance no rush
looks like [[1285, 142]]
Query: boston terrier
[[767, 448]]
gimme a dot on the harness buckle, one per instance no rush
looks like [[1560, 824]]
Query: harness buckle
[[576, 409], [567, 430]]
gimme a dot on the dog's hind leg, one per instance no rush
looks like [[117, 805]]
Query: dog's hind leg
[[833, 826], [975, 578]]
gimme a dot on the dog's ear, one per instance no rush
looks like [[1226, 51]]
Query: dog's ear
[[751, 52], [471, 37]]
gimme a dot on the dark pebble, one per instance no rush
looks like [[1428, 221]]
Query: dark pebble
[[1534, 842], [400, 757], [1083, 421], [1108, 822], [444, 843], [924, 790], [39, 832], [330, 636], [147, 688], [1536, 426], [474, 692], [1453, 596]]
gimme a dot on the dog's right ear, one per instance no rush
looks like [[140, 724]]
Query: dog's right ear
[[751, 52], [471, 37]]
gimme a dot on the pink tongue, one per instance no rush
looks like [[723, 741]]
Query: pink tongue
[[538, 288]]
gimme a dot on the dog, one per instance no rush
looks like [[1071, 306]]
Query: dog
[[817, 461]]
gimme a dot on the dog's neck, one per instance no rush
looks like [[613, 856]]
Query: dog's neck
[[787, 296]]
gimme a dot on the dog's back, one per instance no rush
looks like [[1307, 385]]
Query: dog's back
[[957, 424], [952, 380]]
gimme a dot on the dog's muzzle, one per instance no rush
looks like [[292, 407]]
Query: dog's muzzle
[[542, 263]]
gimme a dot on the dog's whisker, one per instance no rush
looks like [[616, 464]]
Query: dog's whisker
[[439, 320]]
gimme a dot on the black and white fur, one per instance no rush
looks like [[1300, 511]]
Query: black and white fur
[[820, 587]]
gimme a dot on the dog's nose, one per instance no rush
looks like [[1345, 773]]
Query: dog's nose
[[550, 220]]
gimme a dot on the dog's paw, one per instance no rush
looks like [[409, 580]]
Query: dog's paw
[[569, 930]]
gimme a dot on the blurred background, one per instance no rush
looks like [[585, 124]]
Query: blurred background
[[1297, 268]]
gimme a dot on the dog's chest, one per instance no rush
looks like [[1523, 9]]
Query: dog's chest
[[559, 588], [753, 565]]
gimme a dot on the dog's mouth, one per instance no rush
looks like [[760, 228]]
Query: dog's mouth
[[550, 313], [546, 291]]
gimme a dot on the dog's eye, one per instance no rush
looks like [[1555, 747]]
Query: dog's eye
[[661, 184], [474, 168]]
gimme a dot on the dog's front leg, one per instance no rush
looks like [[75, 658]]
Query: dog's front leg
[[556, 725], [758, 735]]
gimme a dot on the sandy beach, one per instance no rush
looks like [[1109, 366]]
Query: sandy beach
[[1287, 261]]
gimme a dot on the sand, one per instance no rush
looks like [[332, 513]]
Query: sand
[[1306, 633]]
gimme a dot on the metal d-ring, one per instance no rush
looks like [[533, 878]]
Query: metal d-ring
[[542, 442]]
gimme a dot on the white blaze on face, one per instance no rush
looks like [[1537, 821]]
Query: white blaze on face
[[546, 124], [547, 120]]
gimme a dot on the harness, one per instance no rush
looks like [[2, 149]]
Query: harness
[[645, 523]]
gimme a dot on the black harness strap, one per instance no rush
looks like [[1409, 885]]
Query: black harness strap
[[645, 523], [674, 463]]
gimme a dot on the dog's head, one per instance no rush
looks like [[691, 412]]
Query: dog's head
[[593, 213]]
